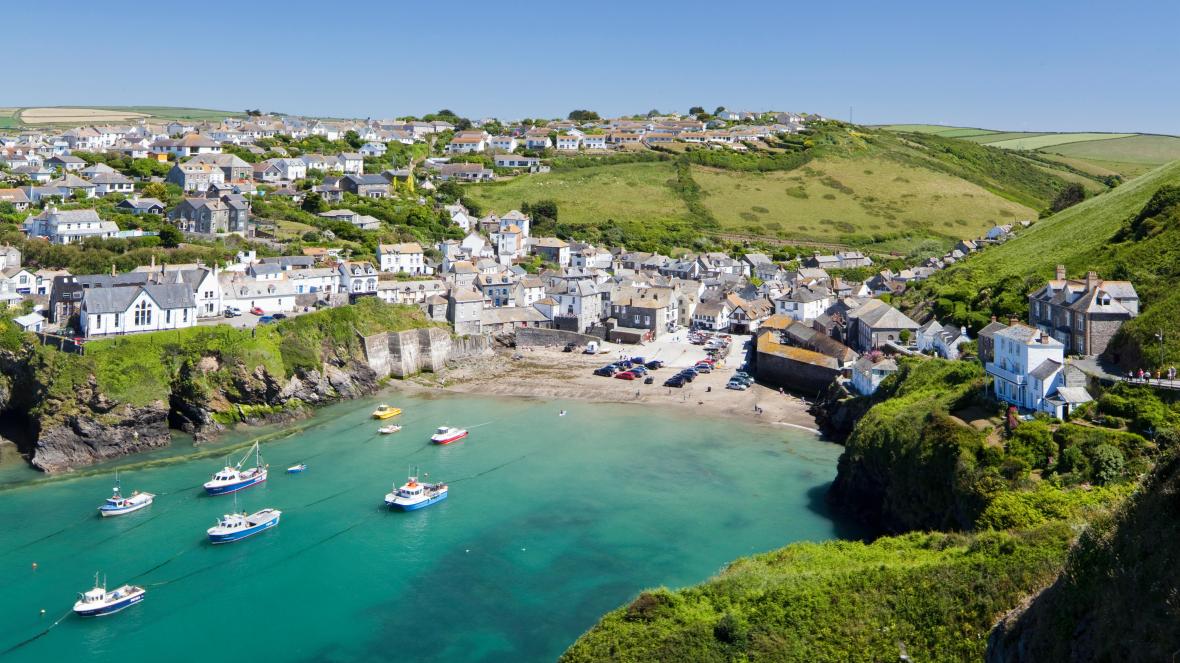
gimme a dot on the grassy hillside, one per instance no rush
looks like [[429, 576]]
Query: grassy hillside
[[831, 198], [1084, 237], [1049, 140], [58, 116], [1116, 600], [835, 184], [938, 594]]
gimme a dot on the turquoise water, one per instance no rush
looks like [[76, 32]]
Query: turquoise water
[[551, 521]]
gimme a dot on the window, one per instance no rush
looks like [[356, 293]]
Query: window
[[143, 313]]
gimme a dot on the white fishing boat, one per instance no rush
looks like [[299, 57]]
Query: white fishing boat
[[389, 430], [416, 494], [232, 479], [237, 526], [117, 505], [98, 602], [447, 435]]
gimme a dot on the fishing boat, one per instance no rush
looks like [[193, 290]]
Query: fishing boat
[[99, 602], [389, 430], [384, 411], [117, 505], [416, 494], [447, 435], [237, 526], [232, 479], [296, 469]]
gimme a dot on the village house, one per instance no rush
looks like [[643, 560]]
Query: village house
[[140, 308], [358, 278], [1029, 371], [108, 183], [869, 371], [195, 177], [186, 146], [804, 302], [410, 292], [942, 340], [1083, 315], [875, 323], [69, 226], [466, 144], [533, 164], [552, 249], [712, 316], [15, 197], [365, 186], [840, 260], [407, 258], [503, 143], [594, 142], [65, 163], [372, 149], [233, 167], [467, 172], [464, 311]]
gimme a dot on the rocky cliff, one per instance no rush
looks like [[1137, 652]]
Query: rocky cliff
[[126, 395]]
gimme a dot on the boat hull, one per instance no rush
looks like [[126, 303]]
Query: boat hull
[[226, 489], [448, 440], [414, 506], [243, 533], [109, 512], [112, 608]]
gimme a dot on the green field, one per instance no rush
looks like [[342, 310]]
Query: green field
[[1141, 149], [175, 112], [834, 197], [1049, 140], [632, 192], [8, 118]]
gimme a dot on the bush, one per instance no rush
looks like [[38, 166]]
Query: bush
[[1108, 463]]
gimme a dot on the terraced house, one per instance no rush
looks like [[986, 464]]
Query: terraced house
[[1082, 314]]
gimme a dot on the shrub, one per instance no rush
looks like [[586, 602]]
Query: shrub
[[1108, 463]]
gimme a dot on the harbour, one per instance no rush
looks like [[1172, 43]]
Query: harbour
[[552, 520]]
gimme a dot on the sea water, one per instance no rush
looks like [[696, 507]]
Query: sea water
[[550, 522]]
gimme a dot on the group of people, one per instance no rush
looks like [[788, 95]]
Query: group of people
[[1141, 375]]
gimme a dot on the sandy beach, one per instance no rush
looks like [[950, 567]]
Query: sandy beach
[[553, 374]]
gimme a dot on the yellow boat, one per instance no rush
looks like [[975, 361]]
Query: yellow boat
[[385, 412]]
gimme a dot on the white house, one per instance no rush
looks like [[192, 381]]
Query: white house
[[804, 303], [69, 226], [466, 144], [867, 374], [594, 141], [137, 308], [373, 150], [503, 143], [407, 257], [713, 316], [1029, 371], [569, 143], [358, 278]]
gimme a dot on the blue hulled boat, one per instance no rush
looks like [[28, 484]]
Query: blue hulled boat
[[237, 526], [232, 479], [99, 602], [416, 494], [117, 505]]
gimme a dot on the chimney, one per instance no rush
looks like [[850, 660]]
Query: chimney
[[1044, 339], [993, 318], [1012, 320], [1091, 280], [112, 269], [1061, 272]]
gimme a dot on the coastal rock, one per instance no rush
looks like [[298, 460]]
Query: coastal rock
[[88, 437]]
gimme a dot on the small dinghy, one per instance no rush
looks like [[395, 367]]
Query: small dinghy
[[389, 430], [296, 469]]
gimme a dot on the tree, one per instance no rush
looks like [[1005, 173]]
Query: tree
[[170, 237], [653, 112], [720, 110], [1071, 195], [155, 190], [696, 110], [314, 203], [353, 139], [584, 116], [1107, 463]]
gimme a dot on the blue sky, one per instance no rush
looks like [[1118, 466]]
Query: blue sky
[[1037, 65]]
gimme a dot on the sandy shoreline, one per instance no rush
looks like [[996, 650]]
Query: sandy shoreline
[[554, 375]]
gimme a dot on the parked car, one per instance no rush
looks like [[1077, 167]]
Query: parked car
[[687, 377], [703, 368], [737, 385], [257, 310], [279, 316], [648, 380], [266, 320], [639, 370], [625, 375], [591, 348], [638, 360], [605, 371], [654, 364], [675, 381], [232, 311], [569, 347]]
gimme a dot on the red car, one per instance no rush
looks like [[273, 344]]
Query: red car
[[625, 375], [257, 310]]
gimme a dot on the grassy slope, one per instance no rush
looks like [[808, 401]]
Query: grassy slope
[[1116, 600], [1141, 149], [838, 601], [1049, 140], [832, 197], [997, 280], [631, 192], [862, 187]]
